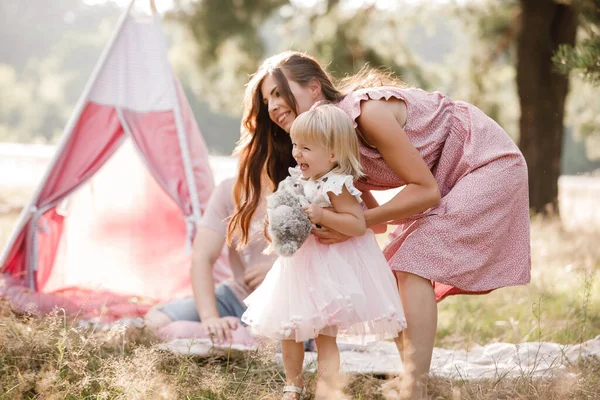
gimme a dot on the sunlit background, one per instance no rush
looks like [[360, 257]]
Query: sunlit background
[[467, 49], [464, 48]]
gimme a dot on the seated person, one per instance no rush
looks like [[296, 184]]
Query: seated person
[[219, 307]]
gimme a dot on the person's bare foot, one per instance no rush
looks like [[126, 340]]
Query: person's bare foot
[[397, 389], [330, 389], [391, 389]]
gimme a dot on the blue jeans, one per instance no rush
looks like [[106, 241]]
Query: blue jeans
[[228, 305]]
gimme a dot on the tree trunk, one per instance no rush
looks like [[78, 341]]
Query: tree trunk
[[542, 92]]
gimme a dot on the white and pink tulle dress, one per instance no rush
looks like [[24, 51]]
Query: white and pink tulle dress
[[345, 289]]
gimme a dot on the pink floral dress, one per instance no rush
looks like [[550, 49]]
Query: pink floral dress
[[477, 238]]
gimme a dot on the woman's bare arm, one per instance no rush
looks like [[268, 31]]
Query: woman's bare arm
[[380, 127], [207, 248]]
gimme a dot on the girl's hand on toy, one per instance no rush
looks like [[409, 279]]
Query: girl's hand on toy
[[219, 328], [328, 236], [314, 213]]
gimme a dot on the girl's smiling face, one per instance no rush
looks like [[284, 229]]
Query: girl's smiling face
[[314, 159]]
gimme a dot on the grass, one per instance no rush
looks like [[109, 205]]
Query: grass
[[54, 358], [562, 303]]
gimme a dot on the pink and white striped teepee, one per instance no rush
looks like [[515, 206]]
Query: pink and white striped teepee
[[109, 229]]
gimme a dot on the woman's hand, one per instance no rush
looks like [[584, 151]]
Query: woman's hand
[[329, 236], [219, 328]]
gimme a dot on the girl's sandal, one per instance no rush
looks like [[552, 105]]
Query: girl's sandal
[[293, 389]]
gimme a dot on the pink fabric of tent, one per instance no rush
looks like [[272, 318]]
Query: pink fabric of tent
[[110, 227]]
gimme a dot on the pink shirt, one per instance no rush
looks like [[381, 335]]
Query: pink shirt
[[219, 210]]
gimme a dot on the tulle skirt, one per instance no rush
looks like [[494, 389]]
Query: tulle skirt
[[345, 289]]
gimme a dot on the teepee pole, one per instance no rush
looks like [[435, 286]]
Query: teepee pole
[[67, 132], [186, 158], [183, 143]]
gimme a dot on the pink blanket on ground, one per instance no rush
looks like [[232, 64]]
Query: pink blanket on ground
[[105, 306], [194, 330]]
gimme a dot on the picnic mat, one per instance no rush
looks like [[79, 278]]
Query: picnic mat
[[492, 361]]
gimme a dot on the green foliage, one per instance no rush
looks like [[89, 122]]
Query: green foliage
[[463, 49], [583, 59], [42, 70], [233, 37], [347, 39], [48, 54], [228, 45], [483, 70], [214, 23]]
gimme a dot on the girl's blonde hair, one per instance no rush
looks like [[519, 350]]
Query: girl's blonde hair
[[331, 127]]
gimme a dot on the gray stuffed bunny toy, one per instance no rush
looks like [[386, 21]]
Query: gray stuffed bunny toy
[[289, 225]]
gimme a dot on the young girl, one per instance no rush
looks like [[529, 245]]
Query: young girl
[[323, 290]]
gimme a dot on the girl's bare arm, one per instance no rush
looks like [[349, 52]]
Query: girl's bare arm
[[347, 216]]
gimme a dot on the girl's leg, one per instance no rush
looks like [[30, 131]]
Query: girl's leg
[[292, 353], [328, 366], [328, 356], [420, 309]]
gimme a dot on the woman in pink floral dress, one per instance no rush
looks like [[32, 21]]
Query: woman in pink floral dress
[[462, 216]]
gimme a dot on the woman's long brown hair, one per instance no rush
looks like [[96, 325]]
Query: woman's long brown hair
[[264, 148]]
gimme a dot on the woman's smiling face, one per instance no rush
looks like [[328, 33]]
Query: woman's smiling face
[[279, 111]]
